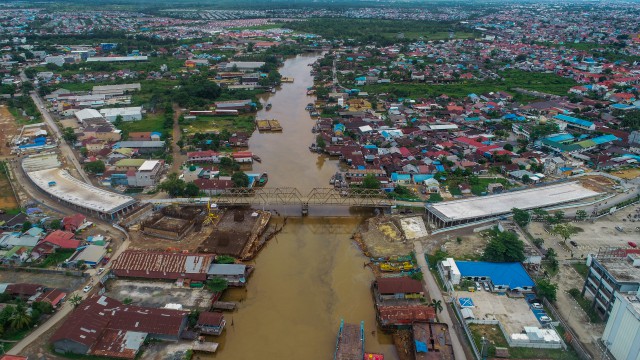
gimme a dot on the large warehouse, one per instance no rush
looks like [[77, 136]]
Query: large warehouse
[[452, 213], [44, 171]]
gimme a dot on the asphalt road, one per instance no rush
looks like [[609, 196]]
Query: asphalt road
[[65, 150], [435, 294]]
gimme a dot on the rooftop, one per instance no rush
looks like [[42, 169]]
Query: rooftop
[[621, 269], [79, 193], [495, 205], [510, 274]]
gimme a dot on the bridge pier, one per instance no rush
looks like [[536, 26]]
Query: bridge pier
[[305, 209]]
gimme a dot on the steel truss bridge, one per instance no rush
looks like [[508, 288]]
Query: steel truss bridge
[[292, 196], [289, 196]]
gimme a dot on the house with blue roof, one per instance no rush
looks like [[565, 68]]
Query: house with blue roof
[[502, 277], [401, 179], [575, 122]]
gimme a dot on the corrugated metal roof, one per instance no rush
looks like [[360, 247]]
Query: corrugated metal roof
[[160, 265]]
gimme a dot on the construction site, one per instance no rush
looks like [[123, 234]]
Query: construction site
[[238, 232]]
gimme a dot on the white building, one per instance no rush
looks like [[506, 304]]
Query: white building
[[449, 271], [147, 174], [58, 60], [622, 334], [127, 113], [87, 114]]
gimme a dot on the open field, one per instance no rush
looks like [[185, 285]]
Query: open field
[[60, 281], [628, 174], [7, 198], [543, 82], [150, 122], [219, 123], [9, 130]]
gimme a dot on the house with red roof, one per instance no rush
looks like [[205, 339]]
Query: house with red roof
[[62, 239], [73, 222]]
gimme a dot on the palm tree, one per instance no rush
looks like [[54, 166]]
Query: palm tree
[[75, 300], [436, 305], [20, 319]]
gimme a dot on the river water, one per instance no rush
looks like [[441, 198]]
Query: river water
[[310, 275]]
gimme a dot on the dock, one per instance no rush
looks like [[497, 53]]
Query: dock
[[205, 346], [285, 79], [350, 342], [269, 125], [224, 305]]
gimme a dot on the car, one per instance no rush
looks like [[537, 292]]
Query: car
[[619, 229], [545, 318], [478, 287], [100, 271], [486, 287], [536, 305], [87, 288], [573, 243], [632, 244]]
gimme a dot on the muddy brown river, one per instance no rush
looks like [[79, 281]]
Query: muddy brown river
[[311, 275]]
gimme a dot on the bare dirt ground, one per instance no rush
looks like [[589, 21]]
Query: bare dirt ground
[[9, 129], [231, 233], [157, 294], [68, 283], [628, 174], [7, 198], [72, 123], [566, 279], [166, 351], [597, 183], [381, 237], [600, 233]]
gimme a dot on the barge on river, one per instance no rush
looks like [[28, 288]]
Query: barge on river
[[268, 125], [350, 342]]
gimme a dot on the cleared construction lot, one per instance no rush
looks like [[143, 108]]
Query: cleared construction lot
[[158, 294]]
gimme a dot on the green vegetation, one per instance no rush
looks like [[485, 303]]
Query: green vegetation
[[582, 269], [225, 259], [175, 187], [495, 338], [23, 109], [383, 32], [565, 231], [586, 305], [95, 167], [240, 179], [56, 258], [370, 182], [546, 289], [521, 217], [503, 246], [202, 124], [150, 122], [217, 285], [543, 82]]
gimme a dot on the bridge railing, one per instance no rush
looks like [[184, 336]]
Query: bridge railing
[[292, 196]]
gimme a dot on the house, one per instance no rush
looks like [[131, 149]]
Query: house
[[101, 326], [234, 274], [431, 185], [144, 147], [213, 186], [207, 156], [242, 157], [91, 255], [23, 290], [398, 288], [127, 113], [55, 297], [73, 222], [62, 239], [211, 323]]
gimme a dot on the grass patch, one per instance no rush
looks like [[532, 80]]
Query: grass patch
[[150, 122], [543, 82], [582, 269], [496, 339], [585, 304], [245, 123], [435, 36], [260, 27], [56, 258]]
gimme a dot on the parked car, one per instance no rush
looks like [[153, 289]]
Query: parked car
[[545, 318], [478, 287], [100, 271], [486, 286], [619, 229], [536, 306], [632, 244], [573, 243], [87, 288]]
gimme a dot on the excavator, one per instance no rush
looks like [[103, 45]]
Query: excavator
[[212, 213]]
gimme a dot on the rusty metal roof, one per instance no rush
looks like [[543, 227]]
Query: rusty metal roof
[[163, 265]]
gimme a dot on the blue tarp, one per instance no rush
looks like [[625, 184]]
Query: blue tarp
[[509, 274], [421, 347]]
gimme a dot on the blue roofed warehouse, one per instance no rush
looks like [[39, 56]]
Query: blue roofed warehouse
[[502, 276]]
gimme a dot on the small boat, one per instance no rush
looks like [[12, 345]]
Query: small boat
[[373, 356], [256, 158], [315, 114], [309, 107], [262, 180], [268, 106]]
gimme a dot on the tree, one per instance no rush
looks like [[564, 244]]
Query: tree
[[526, 179], [55, 224], [508, 147], [540, 214], [581, 215], [217, 285], [521, 217], [75, 300], [240, 179], [95, 167], [173, 185], [26, 226], [69, 135], [118, 121], [547, 289], [435, 197], [370, 182], [565, 231], [320, 142], [558, 215], [191, 190], [504, 246], [436, 305], [20, 318], [225, 259]]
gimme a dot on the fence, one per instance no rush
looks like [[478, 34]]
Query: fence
[[518, 343], [582, 352], [466, 330], [43, 271]]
